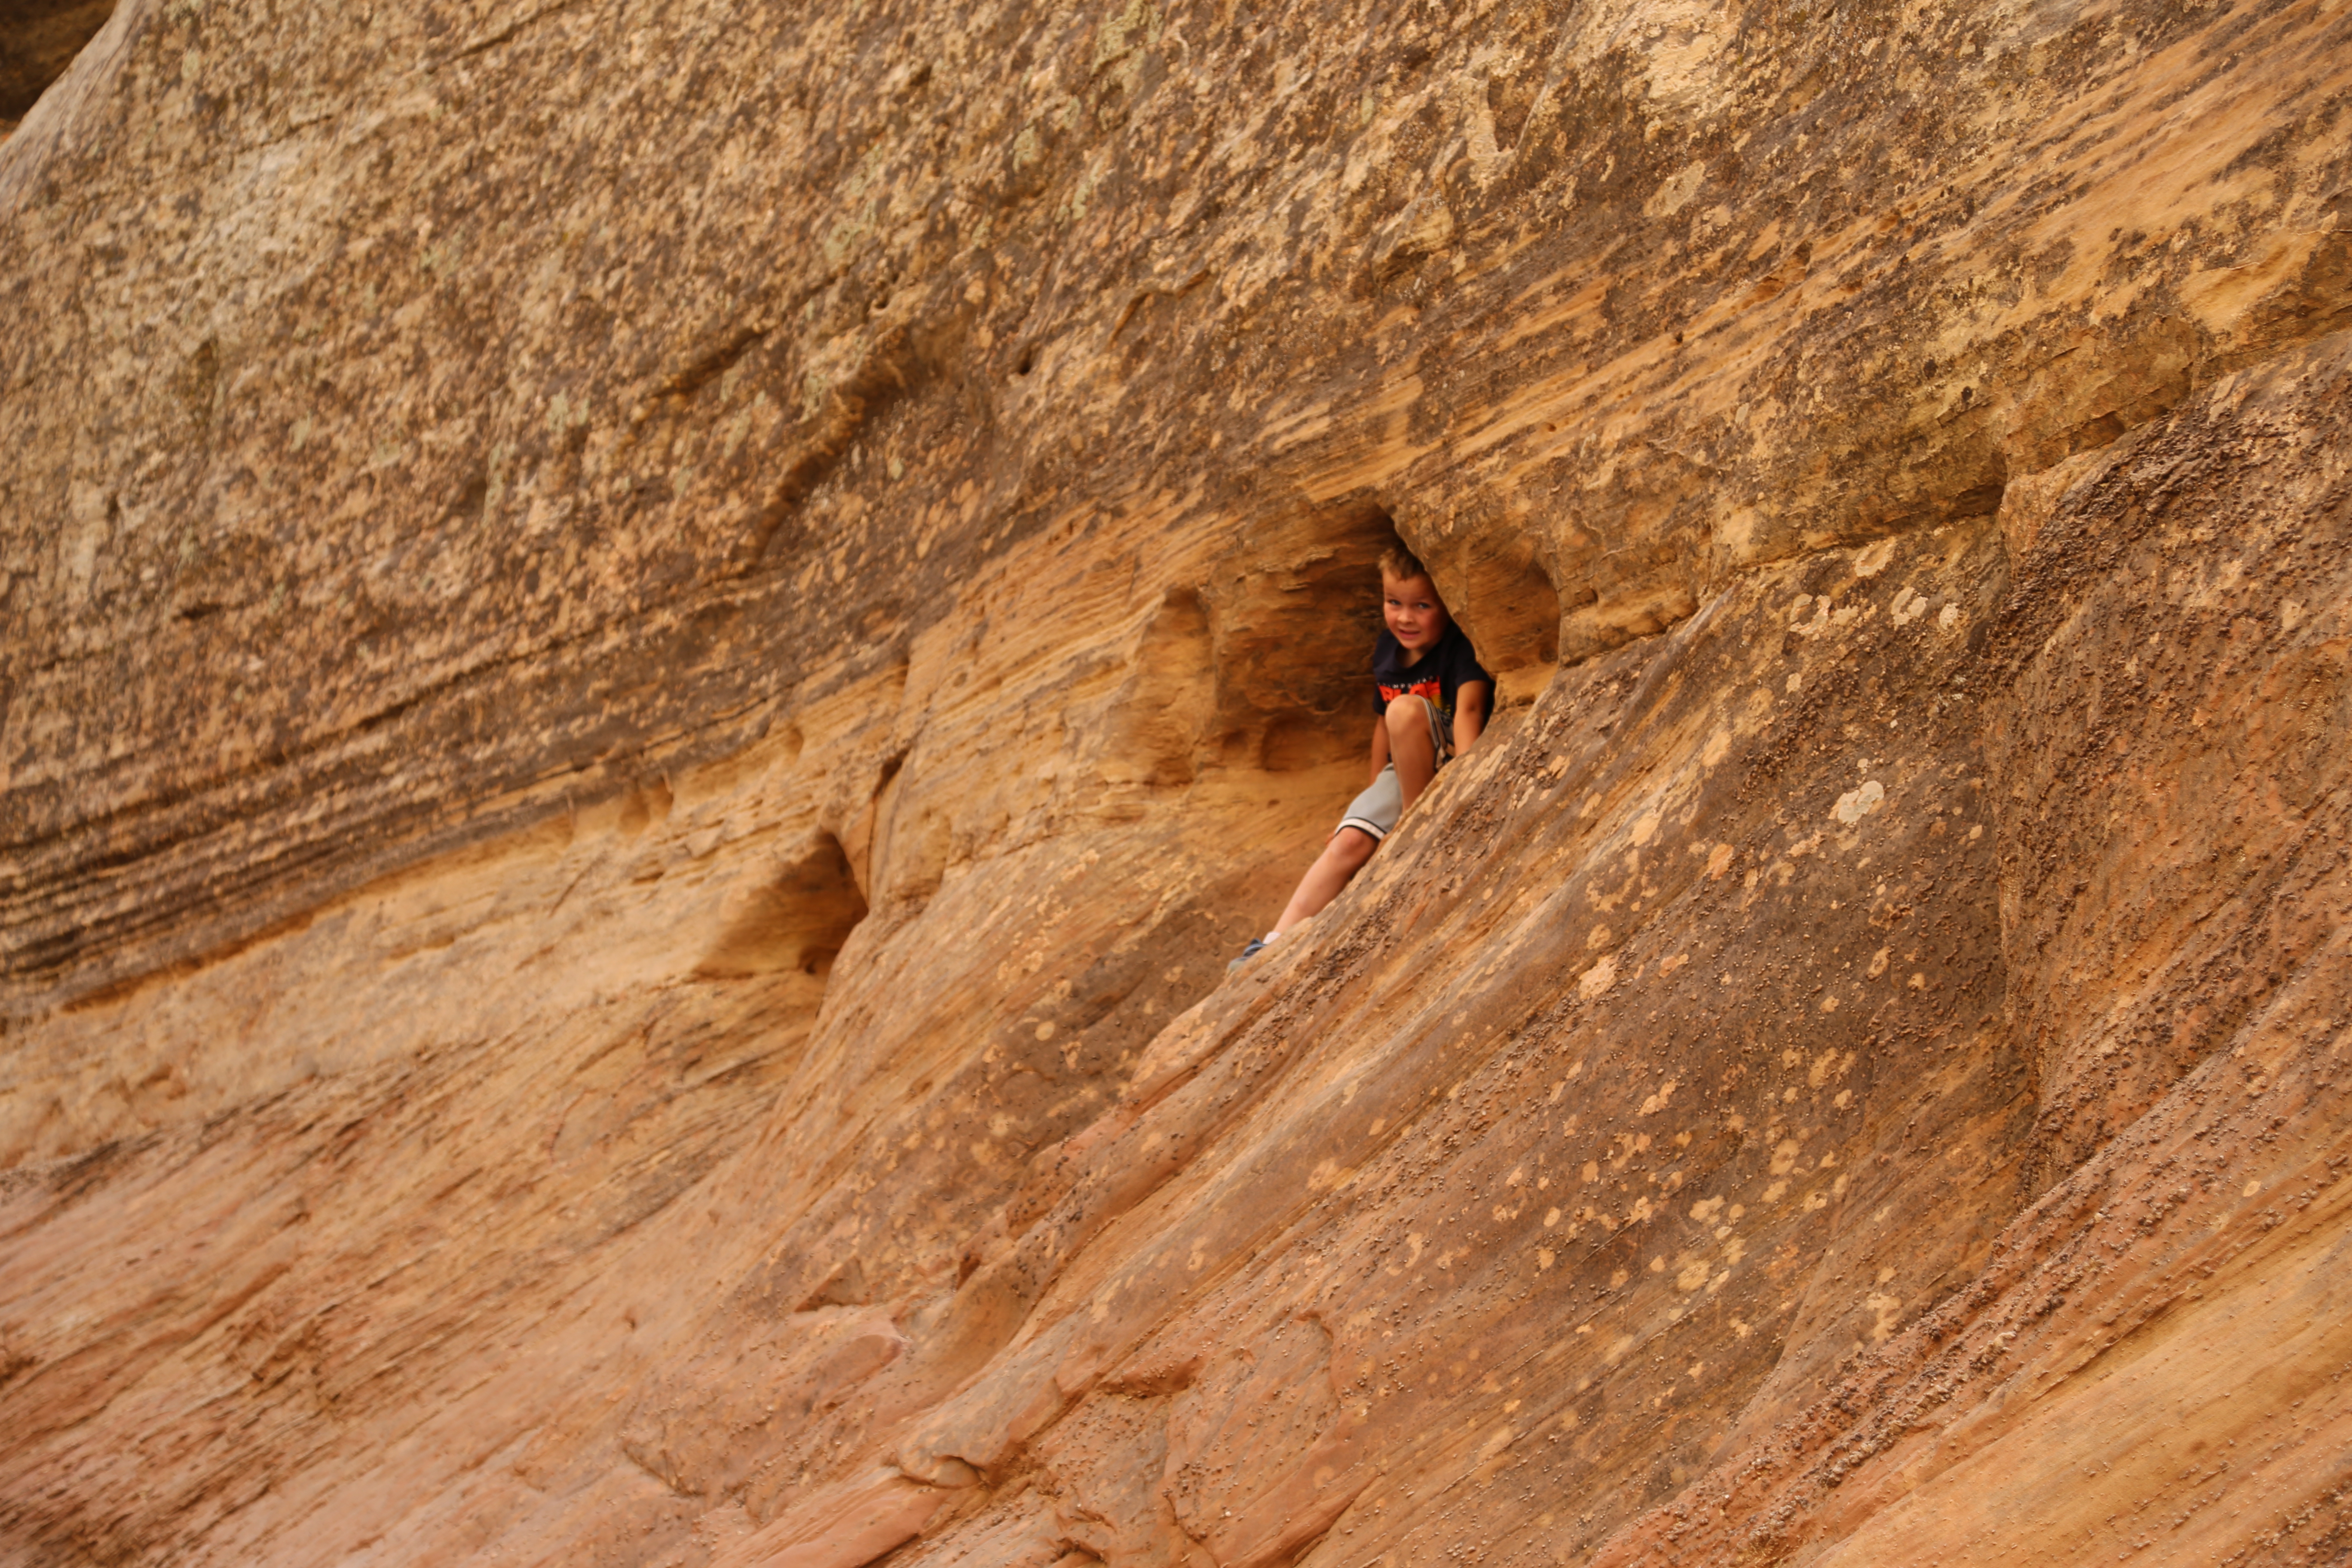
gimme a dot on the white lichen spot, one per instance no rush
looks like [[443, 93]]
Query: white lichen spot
[[1596, 981], [1860, 802], [1675, 192], [1949, 621], [1878, 962]]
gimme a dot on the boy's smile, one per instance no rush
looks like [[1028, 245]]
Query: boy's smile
[[1415, 618]]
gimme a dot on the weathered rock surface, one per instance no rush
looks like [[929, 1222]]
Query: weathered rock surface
[[654, 654]]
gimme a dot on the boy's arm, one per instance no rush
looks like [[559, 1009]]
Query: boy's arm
[[1380, 747], [1469, 714]]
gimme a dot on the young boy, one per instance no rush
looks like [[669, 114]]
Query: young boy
[[1433, 700]]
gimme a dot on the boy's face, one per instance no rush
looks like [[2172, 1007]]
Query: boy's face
[[1415, 616]]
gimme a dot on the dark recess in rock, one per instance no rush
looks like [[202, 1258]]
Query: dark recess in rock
[[39, 40]]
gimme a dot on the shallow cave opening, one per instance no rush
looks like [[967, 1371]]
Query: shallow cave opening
[[39, 40], [796, 924], [1499, 585], [1292, 620]]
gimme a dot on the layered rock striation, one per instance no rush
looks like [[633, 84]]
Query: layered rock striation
[[655, 654]]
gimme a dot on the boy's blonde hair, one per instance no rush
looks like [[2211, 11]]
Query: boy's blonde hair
[[1403, 564]]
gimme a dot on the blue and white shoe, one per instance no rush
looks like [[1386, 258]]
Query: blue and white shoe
[[1257, 944]]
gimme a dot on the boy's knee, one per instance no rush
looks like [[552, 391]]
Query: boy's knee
[[1412, 705], [1409, 721], [1353, 844]]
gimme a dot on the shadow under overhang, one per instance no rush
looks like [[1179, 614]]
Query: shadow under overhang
[[39, 40]]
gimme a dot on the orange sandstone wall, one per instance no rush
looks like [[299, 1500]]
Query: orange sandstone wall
[[652, 655]]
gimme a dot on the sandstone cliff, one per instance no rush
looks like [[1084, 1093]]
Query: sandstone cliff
[[654, 654]]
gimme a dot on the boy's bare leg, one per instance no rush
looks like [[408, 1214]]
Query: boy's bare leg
[[1409, 746], [1342, 858]]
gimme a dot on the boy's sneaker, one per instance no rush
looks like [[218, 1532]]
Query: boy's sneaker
[[1257, 945]]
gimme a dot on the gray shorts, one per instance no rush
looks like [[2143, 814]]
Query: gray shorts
[[1376, 810]]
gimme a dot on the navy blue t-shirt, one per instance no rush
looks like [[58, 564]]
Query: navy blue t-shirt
[[1438, 675]]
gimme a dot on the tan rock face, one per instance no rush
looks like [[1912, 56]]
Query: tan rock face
[[654, 656]]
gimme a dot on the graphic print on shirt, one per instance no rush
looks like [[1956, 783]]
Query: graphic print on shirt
[[1428, 688]]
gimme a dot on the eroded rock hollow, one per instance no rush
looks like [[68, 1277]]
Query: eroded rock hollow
[[654, 654]]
